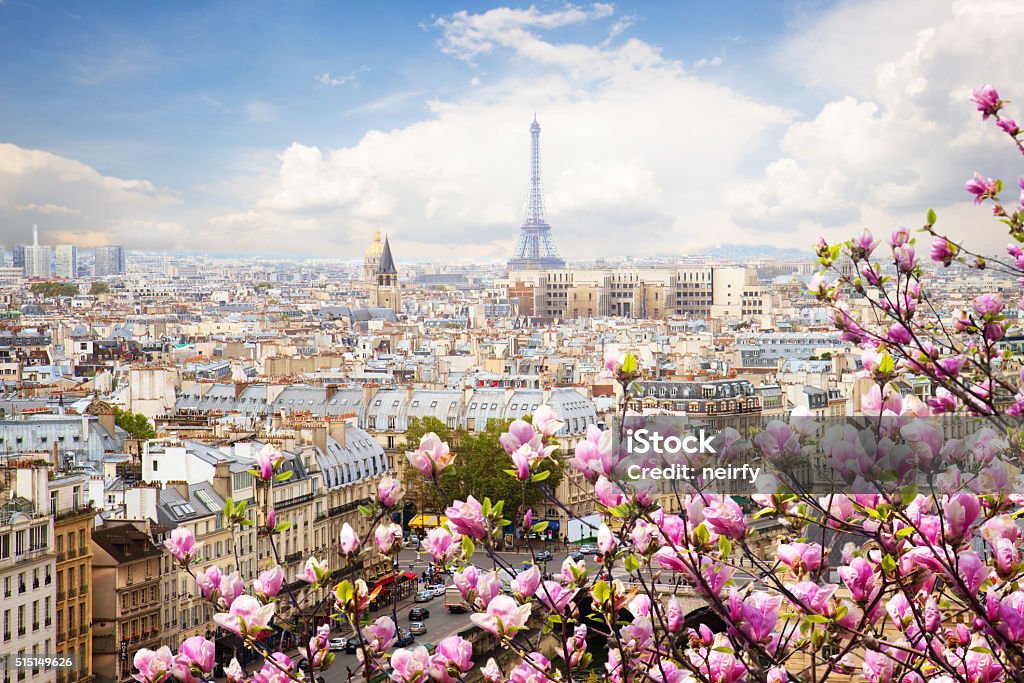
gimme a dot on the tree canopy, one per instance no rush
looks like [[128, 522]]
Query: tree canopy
[[136, 424], [53, 289], [99, 288]]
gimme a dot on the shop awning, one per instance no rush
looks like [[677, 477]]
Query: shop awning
[[427, 521], [385, 581], [410, 576]]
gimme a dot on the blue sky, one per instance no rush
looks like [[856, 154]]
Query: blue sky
[[226, 125]]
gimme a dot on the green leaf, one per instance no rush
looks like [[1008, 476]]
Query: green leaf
[[816, 619], [283, 476], [630, 563], [468, 548], [701, 532], [630, 364], [886, 365], [514, 473], [908, 494], [931, 217], [498, 507], [724, 546], [282, 527], [888, 564], [365, 511], [539, 527], [601, 591], [229, 508], [540, 476]]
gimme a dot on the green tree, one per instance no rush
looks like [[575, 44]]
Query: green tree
[[136, 424], [53, 289], [99, 288], [480, 471]]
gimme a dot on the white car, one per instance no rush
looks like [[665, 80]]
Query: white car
[[438, 590], [423, 596], [338, 644]]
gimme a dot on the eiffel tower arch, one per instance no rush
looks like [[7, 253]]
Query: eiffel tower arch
[[535, 249]]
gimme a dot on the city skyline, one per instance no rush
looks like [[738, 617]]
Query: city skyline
[[298, 133]]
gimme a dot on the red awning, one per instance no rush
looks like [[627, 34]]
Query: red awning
[[410, 576], [385, 581]]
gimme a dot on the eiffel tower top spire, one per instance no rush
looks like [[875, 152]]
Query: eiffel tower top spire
[[535, 213]]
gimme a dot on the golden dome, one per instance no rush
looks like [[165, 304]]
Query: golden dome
[[376, 247]]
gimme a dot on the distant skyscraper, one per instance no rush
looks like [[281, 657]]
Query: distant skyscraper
[[3, 257], [18, 256], [38, 257], [109, 260], [535, 249], [67, 261]]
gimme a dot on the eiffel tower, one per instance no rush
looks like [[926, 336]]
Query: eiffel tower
[[535, 249]]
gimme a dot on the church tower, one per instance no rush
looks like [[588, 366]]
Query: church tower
[[371, 259], [386, 293]]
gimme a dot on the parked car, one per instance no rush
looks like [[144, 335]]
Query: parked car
[[545, 556], [419, 613], [577, 555], [589, 549], [352, 646], [423, 596], [418, 628], [338, 644], [405, 637], [438, 589]]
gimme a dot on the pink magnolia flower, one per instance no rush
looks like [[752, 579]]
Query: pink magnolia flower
[[153, 666], [246, 615], [878, 667], [898, 334], [1009, 127], [547, 421], [440, 544], [943, 251], [533, 669], [491, 672], [593, 455], [863, 244], [182, 545], [387, 537], [390, 491], [987, 100], [231, 586], [960, 512], [981, 188], [899, 237], [381, 635], [234, 672], [1008, 614], [209, 581], [526, 583], [314, 570], [454, 654], [466, 580], [468, 518], [269, 582], [673, 615], [522, 459], [503, 615], [713, 575], [267, 462], [608, 493], [801, 558], [555, 596], [432, 457], [726, 518], [520, 433], [718, 663], [274, 674], [944, 402], [605, 540], [410, 665], [811, 597], [756, 615], [195, 660], [488, 586], [349, 540], [271, 523], [971, 570], [905, 257]]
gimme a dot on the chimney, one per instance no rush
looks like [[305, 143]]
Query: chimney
[[222, 479], [239, 388], [337, 429], [331, 390], [180, 486], [319, 431]]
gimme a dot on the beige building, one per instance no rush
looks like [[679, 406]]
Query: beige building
[[127, 568]]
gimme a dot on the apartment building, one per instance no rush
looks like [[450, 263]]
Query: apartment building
[[73, 520], [127, 571], [26, 574]]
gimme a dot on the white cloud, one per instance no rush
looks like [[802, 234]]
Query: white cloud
[[329, 79], [630, 142], [901, 134], [704, 61], [73, 201], [260, 112]]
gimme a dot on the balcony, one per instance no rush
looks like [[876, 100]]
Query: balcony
[[82, 589], [21, 631], [72, 632], [61, 636], [71, 591], [292, 557], [72, 553], [61, 595], [21, 588], [35, 626], [292, 502], [47, 621], [73, 511], [61, 556]]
